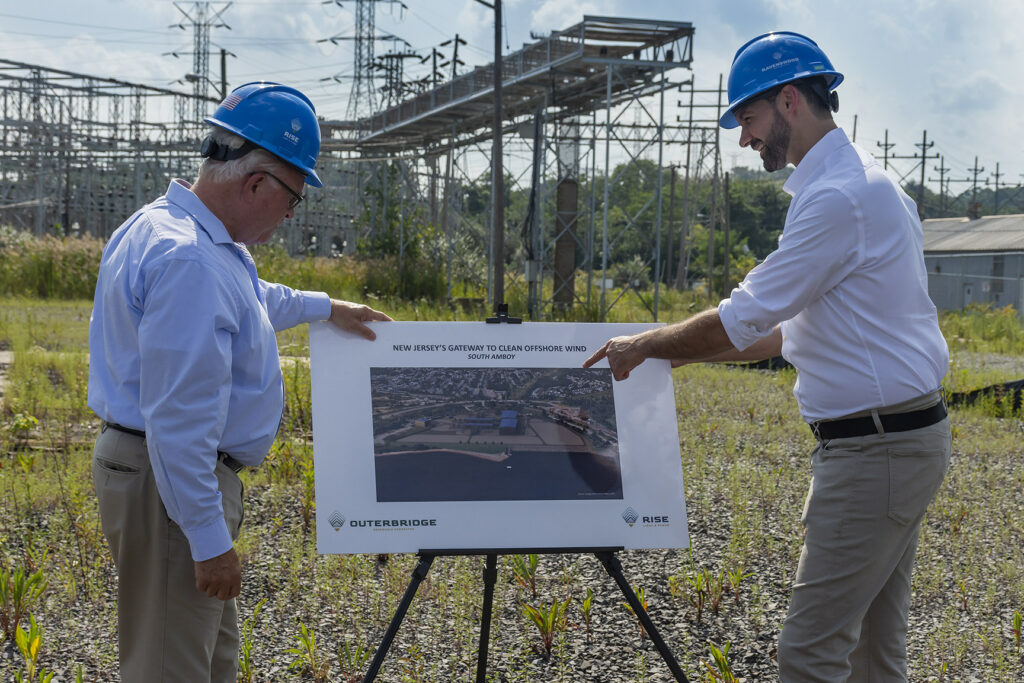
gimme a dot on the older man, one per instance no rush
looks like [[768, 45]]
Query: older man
[[185, 374], [845, 300]]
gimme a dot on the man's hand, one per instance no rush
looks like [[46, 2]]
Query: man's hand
[[623, 354], [350, 317], [220, 577]]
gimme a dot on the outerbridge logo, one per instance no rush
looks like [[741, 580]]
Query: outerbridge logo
[[337, 520], [630, 516]]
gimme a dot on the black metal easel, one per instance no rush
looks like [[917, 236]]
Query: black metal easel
[[490, 575]]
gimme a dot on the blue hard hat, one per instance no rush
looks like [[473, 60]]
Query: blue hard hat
[[277, 118], [770, 60]]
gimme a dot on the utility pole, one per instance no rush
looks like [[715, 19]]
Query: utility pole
[[922, 158], [223, 73], [974, 210], [943, 184], [886, 146], [924, 146], [725, 259], [714, 195], [684, 236], [454, 61], [671, 217], [497, 166], [997, 175]]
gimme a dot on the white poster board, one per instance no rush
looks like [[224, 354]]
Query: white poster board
[[476, 436]]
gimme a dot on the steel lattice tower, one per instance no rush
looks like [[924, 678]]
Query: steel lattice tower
[[202, 17], [363, 99]]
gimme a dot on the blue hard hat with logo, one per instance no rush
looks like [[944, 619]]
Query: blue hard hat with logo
[[277, 118], [770, 60]]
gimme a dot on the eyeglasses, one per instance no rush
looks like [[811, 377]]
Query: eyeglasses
[[295, 197]]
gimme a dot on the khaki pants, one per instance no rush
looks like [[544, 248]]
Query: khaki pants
[[851, 597], [167, 630]]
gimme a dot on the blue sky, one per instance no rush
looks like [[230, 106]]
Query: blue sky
[[951, 67]]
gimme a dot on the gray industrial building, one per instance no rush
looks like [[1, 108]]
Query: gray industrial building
[[979, 261]]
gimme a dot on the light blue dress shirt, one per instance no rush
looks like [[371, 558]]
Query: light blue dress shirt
[[182, 345]]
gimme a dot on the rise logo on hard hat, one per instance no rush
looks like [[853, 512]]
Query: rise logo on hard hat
[[277, 118]]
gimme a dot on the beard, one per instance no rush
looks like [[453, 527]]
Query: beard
[[773, 155]]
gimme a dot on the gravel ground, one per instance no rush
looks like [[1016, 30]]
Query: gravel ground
[[352, 598]]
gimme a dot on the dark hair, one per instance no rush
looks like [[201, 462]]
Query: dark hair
[[819, 98], [813, 89]]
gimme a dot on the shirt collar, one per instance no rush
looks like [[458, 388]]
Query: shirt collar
[[179, 193], [815, 157]]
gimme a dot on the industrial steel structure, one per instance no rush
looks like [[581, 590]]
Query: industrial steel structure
[[584, 108]]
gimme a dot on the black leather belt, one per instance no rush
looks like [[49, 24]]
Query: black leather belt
[[231, 463], [824, 430]]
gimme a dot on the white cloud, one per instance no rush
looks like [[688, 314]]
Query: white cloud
[[555, 15]]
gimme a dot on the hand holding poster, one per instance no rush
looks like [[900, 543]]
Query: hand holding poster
[[476, 436]]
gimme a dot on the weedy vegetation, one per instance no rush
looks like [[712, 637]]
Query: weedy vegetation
[[744, 454]]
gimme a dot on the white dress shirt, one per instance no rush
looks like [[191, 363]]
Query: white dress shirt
[[849, 286], [182, 346]]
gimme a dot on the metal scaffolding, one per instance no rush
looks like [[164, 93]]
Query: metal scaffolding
[[584, 112]]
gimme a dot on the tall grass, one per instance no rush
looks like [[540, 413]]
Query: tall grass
[[982, 327], [49, 267], [416, 289]]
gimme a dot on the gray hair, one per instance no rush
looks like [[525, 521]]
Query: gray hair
[[225, 171]]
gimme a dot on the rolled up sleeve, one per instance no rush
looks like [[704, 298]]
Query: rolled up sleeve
[[821, 245]]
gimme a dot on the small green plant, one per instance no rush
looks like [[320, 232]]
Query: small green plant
[[524, 569], [1016, 630], [18, 591], [586, 608], [307, 655], [736, 576], [721, 671], [961, 593], [549, 621], [21, 427], [29, 645], [308, 499], [642, 597], [246, 668], [413, 666], [715, 585], [956, 517], [352, 661]]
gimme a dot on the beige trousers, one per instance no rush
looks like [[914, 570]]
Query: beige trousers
[[847, 621], [167, 630]]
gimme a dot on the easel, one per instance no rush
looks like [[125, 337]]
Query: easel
[[606, 556], [490, 575]]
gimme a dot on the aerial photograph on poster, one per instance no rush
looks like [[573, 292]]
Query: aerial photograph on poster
[[489, 434]]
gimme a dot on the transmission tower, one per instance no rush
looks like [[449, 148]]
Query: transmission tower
[[362, 98], [201, 16]]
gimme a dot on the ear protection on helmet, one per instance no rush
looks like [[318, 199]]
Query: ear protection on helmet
[[211, 149]]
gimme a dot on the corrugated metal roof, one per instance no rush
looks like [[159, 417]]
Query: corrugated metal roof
[[988, 233]]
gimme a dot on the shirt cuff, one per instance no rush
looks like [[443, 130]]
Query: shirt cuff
[[316, 306], [740, 334], [209, 541]]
